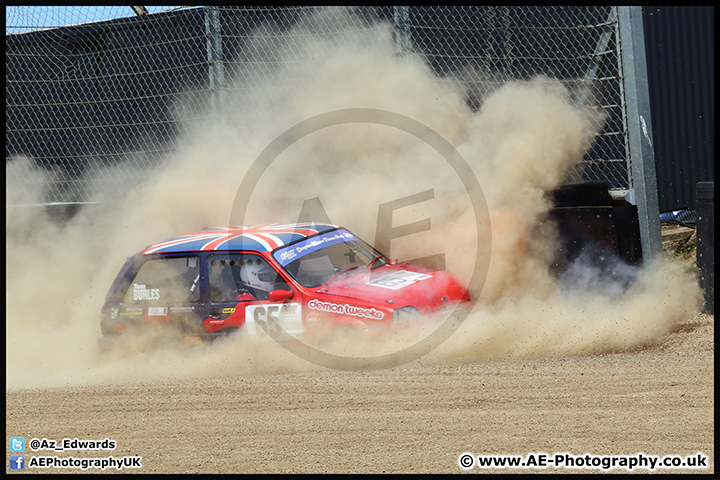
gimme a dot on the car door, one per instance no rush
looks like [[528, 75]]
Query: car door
[[239, 294]]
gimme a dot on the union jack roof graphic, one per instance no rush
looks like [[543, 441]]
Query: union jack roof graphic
[[264, 238]]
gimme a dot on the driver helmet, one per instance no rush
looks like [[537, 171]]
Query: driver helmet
[[258, 275]]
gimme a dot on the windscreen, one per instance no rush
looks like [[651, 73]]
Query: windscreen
[[315, 260]]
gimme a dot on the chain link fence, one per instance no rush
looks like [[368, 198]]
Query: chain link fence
[[83, 93]]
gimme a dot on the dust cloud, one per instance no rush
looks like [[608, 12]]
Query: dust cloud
[[520, 144]]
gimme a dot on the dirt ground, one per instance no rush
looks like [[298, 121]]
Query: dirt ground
[[415, 418]]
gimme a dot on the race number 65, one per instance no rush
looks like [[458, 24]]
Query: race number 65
[[267, 318], [278, 321]]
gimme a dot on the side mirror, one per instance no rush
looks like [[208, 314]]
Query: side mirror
[[280, 295]]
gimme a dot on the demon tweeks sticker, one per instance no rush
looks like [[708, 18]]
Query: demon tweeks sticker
[[345, 309]]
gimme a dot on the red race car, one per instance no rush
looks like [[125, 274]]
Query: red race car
[[285, 281]]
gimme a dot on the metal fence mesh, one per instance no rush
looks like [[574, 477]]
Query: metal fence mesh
[[82, 93]]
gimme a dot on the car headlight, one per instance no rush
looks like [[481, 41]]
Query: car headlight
[[405, 315]]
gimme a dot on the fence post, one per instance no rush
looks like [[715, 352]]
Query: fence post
[[403, 40], [641, 167], [216, 70]]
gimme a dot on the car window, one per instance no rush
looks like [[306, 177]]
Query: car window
[[165, 281], [236, 277], [315, 268]]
